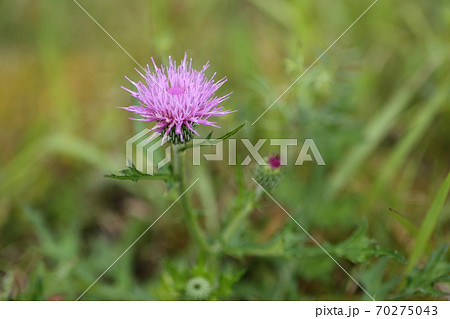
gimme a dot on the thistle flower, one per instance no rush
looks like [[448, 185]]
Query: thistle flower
[[198, 288], [178, 98], [268, 176]]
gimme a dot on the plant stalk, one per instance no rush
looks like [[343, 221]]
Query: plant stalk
[[239, 218], [191, 219]]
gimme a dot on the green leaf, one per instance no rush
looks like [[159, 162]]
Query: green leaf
[[359, 248], [209, 135], [428, 224], [211, 141], [412, 230], [132, 174], [227, 278], [421, 281], [372, 278], [231, 133], [422, 120]]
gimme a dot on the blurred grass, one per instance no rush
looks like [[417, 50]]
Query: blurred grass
[[377, 106], [429, 223]]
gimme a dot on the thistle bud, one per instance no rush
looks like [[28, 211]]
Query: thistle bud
[[268, 176], [198, 288]]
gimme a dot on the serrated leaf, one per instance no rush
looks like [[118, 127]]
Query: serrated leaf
[[359, 248], [133, 174], [212, 141], [437, 269], [231, 133]]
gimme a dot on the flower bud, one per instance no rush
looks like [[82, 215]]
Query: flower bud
[[268, 176], [198, 288]]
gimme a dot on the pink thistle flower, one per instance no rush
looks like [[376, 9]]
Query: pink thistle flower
[[177, 98], [274, 161]]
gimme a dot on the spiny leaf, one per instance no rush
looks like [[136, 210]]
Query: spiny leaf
[[437, 269], [231, 133], [211, 141], [209, 135], [133, 174], [360, 248]]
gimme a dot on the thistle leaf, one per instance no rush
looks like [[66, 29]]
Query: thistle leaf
[[437, 269], [133, 174], [212, 141], [360, 248]]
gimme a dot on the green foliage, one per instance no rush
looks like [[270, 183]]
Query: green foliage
[[373, 278], [412, 230], [436, 270], [359, 248], [133, 174], [176, 277], [35, 289], [209, 140], [429, 223], [377, 111]]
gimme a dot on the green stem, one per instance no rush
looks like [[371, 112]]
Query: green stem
[[239, 218], [191, 219], [208, 199]]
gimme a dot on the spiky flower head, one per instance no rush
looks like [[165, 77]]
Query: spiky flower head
[[198, 288], [178, 98], [268, 176]]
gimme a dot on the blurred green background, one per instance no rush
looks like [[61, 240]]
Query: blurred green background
[[376, 105]]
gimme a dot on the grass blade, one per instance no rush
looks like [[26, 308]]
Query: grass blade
[[429, 223], [380, 126], [412, 230], [421, 122]]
